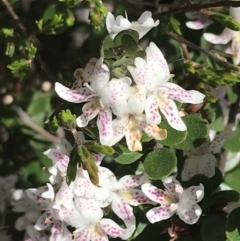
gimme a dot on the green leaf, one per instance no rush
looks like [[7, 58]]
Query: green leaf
[[131, 33], [225, 20], [233, 145], [176, 25], [233, 225], [217, 179], [213, 228], [124, 156], [174, 137], [197, 131], [20, 67], [160, 163], [66, 119], [223, 197]]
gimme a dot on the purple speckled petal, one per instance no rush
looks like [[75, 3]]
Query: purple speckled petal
[[223, 38], [193, 194], [90, 111], [170, 111], [189, 213], [74, 96], [152, 192], [131, 181], [137, 197], [133, 136], [104, 124], [36, 194], [65, 194], [136, 101], [175, 92], [44, 221], [152, 111], [98, 158], [83, 235], [58, 158], [114, 230], [34, 235], [159, 213], [172, 184], [59, 232]]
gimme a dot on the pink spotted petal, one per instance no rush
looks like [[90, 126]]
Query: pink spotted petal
[[223, 38], [189, 213], [83, 187], [90, 111], [98, 158], [123, 210], [36, 194], [115, 95], [105, 127], [34, 235], [72, 216], [59, 232], [159, 213], [114, 230], [151, 111], [157, 62], [99, 235], [151, 130], [204, 164], [100, 76], [236, 51], [58, 158], [193, 194], [50, 193], [64, 195], [120, 126], [171, 184], [89, 209], [137, 197], [133, 137], [83, 235], [175, 92], [44, 221], [74, 96], [170, 111], [131, 181], [136, 101], [153, 193], [217, 143], [199, 24]]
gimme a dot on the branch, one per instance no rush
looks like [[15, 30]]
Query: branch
[[196, 7], [31, 38]]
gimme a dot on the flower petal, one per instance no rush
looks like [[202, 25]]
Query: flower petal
[[123, 210], [136, 197], [89, 209], [136, 101], [152, 192], [131, 181], [105, 127], [151, 111], [74, 96], [170, 183], [120, 126], [98, 158], [236, 51], [189, 213], [90, 111], [199, 24], [133, 137], [36, 194], [65, 194], [193, 194], [58, 158], [159, 213], [35, 235], [83, 235], [44, 221], [59, 232], [223, 38], [175, 92], [170, 111], [114, 230]]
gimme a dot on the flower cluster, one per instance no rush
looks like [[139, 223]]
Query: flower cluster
[[136, 102]]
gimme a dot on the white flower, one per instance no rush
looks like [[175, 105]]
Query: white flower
[[200, 20], [131, 121], [144, 24], [174, 200], [201, 160], [103, 94], [228, 35], [154, 74]]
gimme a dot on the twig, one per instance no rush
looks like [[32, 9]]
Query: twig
[[31, 38], [197, 7], [23, 116], [221, 60]]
